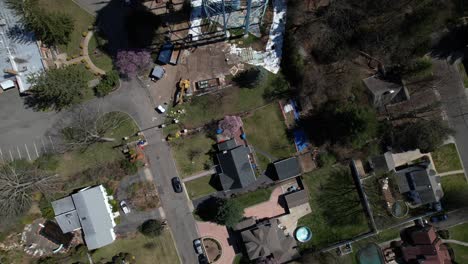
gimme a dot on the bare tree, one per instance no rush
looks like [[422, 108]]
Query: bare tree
[[89, 126], [18, 183]]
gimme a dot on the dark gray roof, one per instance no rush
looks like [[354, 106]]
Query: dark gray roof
[[227, 145], [382, 163], [420, 183], [236, 170], [296, 198], [245, 223], [383, 92], [287, 168], [95, 216], [266, 239]]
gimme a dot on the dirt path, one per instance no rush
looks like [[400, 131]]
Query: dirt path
[[85, 43]]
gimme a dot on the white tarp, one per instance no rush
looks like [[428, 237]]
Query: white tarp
[[8, 84]]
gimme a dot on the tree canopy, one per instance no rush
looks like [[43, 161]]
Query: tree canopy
[[229, 213], [52, 28], [151, 228], [57, 88]]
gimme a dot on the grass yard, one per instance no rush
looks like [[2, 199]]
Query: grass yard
[[463, 73], [446, 158], [200, 187], [459, 232], [82, 20], [461, 253], [266, 131], [233, 100], [336, 211], [77, 161], [142, 248], [255, 197], [455, 191], [97, 55], [193, 153]]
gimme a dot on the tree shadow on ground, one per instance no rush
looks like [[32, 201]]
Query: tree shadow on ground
[[452, 44], [208, 209]]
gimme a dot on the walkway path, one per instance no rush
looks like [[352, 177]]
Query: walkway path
[[85, 44], [200, 175], [451, 173], [455, 242]]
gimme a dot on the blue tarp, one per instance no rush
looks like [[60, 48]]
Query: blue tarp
[[300, 139], [165, 53]]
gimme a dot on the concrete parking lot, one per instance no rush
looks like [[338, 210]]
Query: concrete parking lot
[[22, 130]]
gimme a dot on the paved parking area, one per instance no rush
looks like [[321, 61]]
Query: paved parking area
[[23, 132], [268, 209]]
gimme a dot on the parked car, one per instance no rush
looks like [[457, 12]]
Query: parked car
[[198, 246], [439, 218], [202, 259], [177, 185], [160, 109], [124, 207]]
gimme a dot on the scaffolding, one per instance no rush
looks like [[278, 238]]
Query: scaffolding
[[234, 17]]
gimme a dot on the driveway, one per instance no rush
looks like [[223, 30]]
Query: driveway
[[268, 209], [22, 130], [220, 233], [455, 102]]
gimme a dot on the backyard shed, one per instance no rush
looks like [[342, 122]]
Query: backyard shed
[[287, 168], [296, 198]]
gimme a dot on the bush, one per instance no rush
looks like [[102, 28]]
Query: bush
[[47, 162], [250, 78], [326, 160], [129, 167], [46, 209], [444, 234], [151, 228], [229, 213], [107, 84]]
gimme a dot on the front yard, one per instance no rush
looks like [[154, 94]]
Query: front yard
[[193, 153], [446, 158], [266, 132], [201, 187], [337, 213], [460, 232], [455, 190]]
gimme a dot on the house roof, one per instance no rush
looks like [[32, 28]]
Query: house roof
[[420, 183], [296, 198], [227, 145], [287, 168], [236, 170], [95, 216], [384, 92], [266, 239], [382, 163], [87, 209]]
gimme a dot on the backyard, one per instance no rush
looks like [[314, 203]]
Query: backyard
[[446, 158], [193, 153], [337, 213], [266, 132], [200, 187], [455, 191]]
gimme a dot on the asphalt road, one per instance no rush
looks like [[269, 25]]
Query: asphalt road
[[134, 99], [455, 102]]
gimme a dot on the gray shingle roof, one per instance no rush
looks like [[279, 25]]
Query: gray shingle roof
[[420, 182], [287, 168], [236, 170], [296, 198], [383, 92], [227, 145], [63, 205]]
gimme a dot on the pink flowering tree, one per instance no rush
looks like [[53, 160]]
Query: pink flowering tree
[[230, 125], [130, 62]]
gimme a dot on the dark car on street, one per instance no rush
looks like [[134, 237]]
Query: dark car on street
[[438, 218], [202, 259], [177, 185]]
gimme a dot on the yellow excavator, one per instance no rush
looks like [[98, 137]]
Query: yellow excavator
[[184, 85]]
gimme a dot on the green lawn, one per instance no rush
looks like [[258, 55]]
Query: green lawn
[[193, 153], [461, 253], [204, 109], [77, 161], [200, 187], [82, 20], [446, 158], [255, 197], [459, 232], [455, 190], [163, 252], [336, 211], [464, 74], [97, 55], [266, 131]]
